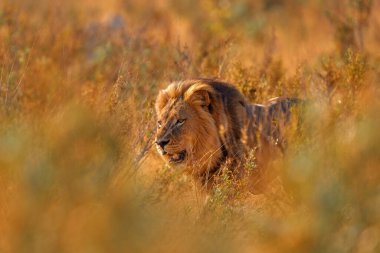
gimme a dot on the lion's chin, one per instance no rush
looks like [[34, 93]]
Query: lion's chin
[[177, 157]]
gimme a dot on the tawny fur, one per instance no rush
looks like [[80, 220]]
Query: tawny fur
[[219, 123]]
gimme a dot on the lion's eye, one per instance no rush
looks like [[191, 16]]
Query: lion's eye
[[158, 124], [180, 122]]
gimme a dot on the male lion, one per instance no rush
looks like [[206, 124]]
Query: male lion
[[202, 123]]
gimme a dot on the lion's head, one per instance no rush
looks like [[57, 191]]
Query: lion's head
[[187, 134]]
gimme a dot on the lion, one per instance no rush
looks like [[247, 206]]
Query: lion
[[202, 123]]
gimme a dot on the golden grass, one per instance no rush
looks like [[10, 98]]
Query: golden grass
[[77, 84]]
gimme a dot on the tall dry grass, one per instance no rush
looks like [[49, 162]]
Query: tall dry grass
[[77, 84]]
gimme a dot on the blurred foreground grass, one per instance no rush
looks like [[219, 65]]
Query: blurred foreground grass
[[77, 84]]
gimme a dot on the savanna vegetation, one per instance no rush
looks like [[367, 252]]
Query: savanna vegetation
[[78, 80]]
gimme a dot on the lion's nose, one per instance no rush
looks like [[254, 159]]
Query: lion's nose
[[162, 142]]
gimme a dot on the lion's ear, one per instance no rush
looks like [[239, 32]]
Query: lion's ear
[[199, 95]]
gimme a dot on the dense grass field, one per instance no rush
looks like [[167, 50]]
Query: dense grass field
[[78, 80]]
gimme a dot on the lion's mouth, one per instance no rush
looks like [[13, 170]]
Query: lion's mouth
[[178, 157]]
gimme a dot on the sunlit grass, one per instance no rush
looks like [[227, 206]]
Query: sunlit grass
[[78, 81]]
